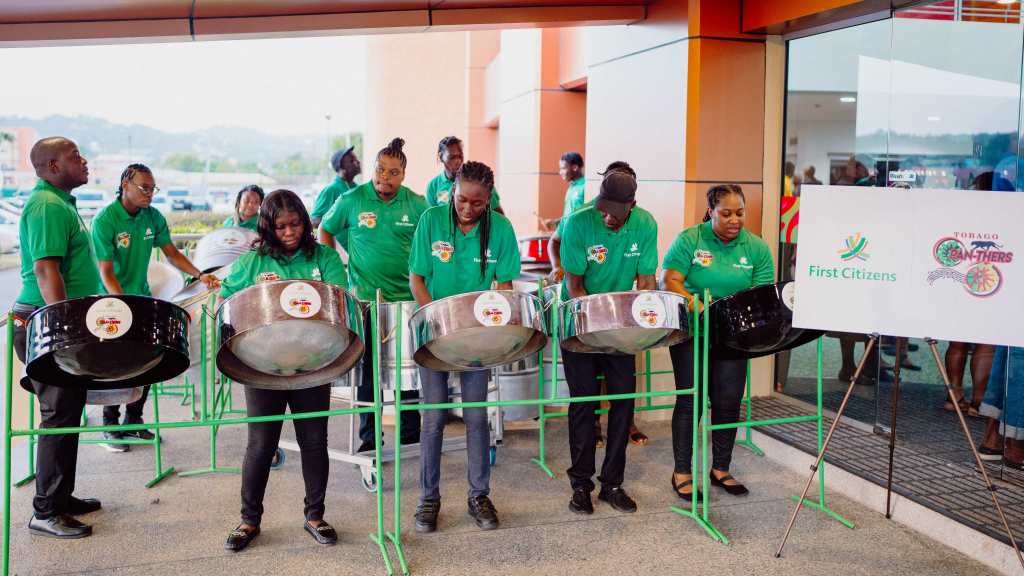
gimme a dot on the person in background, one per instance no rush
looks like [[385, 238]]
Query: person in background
[[570, 169], [719, 255], [124, 234], [604, 248], [247, 208], [439, 189], [1003, 409], [789, 181], [809, 177], [458, 248], [284, 250], [57, 263], [379, 219], [346, 167]]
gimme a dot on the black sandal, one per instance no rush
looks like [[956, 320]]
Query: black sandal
[[734, 489], [684, 484]]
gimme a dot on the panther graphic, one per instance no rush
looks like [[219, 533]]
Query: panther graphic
[[985, 245]]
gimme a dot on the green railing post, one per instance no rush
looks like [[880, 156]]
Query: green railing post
[[31, 474], [542, 415], [748, 441], [379, 537], [160, 472], [8, 414]]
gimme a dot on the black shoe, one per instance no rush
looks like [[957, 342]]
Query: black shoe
[[411, 440], [617, 498], [59, 526], [426, 516], [323, 534], [580, 502], [140, 434], [682, 495], [482, 510], [366, 446], [238, 539], [80, 506], [112, 447], [734, 489]]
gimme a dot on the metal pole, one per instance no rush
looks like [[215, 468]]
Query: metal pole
[[702, 395], [872, 340], [378, 413], [8, 413], [892, 425]]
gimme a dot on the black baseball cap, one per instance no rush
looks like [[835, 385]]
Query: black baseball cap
[[618, 192], [337, 156]]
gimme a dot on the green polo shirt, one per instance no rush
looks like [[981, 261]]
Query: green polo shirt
[[329, 195], [252, 268], [439, 192], [725, 269], [574, 197], [51, 227], [379, 239], [561, 221], [608, 261], [128, 242], [251, 223], [449, 260]]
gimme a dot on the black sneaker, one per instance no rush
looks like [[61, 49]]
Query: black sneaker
[[580, 502], [618, 499], [366, 446], [426, 516], [113, 447], [482, 510], [140, 434]]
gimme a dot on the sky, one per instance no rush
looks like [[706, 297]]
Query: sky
[[281, 86]]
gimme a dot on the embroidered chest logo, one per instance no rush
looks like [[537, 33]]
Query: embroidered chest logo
[[443, 250], [443, 197], [634, 251], [149, 234], [368, 219], [268, 277], [703, 257], [743, 260], [597, 254], [316, 274], [405, 222], [124, 239], [744, 263]]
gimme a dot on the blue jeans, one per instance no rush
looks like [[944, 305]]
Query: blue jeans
[[1004, 397], [478, 437]]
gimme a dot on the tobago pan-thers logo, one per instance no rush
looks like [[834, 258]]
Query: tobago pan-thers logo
[[971, 260], [854, 248], [597, 253], [443, 250]]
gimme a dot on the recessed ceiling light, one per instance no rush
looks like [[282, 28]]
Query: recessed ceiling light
[[847, 99]]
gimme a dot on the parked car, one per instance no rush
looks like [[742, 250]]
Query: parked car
[[161, 204], [89, 202]]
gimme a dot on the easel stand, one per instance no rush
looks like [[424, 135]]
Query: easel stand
[[933, 345]]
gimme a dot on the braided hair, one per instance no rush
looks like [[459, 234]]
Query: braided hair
[[238, 200], [130, 173], [716, 193], [481, 174], [394, 150], [277, 202]]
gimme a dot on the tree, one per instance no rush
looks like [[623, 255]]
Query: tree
[[348, 139]]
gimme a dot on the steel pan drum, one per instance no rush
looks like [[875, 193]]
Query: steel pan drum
[[387, 317], [186, 299], [164, 280], [477, 330], [114, 397], [289, 335], [624, 322], [104, 342], [222, 247], [756, 322]]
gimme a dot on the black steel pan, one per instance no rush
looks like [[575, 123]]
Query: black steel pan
[[756, 322], [105, 342]]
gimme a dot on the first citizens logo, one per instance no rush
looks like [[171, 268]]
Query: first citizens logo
[[854, 248]]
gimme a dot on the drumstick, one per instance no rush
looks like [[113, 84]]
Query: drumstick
[[197, 298]]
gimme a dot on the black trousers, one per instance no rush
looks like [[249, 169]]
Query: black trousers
[[311, 435], [364, 393], [132, 412], [581, 372], [727, 380], [56, 455]]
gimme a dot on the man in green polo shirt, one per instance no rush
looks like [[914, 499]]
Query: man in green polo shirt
[[57, 263], [378, 218], [124, 234], [570, 169], [605, 248], [346, 167], [439, 189]]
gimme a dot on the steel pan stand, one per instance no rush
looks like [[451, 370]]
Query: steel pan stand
[[748, 442]]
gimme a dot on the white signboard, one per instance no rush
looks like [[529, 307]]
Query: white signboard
[[945, 264]]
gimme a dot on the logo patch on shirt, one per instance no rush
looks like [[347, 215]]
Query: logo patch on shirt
[[316, 274], [597, 253], [634, 251], [268, 277], [743, 260], [703, 257], [744, 264], [149, 234], [368, 219], [405, 221], [124, 239], [443, 197], [443, 250]]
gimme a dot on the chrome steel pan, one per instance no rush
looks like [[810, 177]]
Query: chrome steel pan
[[477, 330], [289, 334], [192, 298], [387, 317], [756, 322], [114, 397], [164, 280], [624, 322], [222, 247]]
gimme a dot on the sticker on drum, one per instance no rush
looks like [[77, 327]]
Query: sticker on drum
[[231, 238], [300, 300], [789, 295], [492, 309], [649, 311], [108, 318]]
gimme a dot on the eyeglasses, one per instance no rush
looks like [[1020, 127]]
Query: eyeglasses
[[144, 190], [393, 173]]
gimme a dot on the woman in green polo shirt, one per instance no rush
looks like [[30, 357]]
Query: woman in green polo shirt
[[721, 256], [439, 190], [284, 250], [247, 208], [458, 248]]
